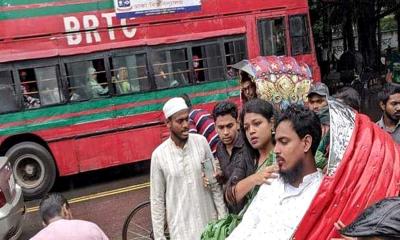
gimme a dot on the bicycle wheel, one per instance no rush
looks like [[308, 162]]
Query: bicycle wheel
[[138, 224]]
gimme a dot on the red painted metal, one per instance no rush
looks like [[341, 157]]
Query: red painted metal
[[35, 38], [110, 148], [29, 27]]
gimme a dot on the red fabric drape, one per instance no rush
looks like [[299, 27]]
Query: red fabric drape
[[368, 172]]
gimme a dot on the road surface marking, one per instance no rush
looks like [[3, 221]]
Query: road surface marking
[[99, 195]]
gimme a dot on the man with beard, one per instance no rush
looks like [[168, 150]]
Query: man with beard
[[279, 206], [201, 122], [389, 101], [177, 195]]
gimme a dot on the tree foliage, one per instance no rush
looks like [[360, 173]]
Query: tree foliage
[[352, 17]]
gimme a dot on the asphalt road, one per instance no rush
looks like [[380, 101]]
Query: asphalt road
[[104, 197]]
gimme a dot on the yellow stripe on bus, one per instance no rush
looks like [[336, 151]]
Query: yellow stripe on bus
[[99, 195]]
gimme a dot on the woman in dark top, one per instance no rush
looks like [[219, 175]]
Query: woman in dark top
[[256, 123]]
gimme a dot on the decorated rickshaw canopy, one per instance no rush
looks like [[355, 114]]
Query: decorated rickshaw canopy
[[363, 164], [281, 80]]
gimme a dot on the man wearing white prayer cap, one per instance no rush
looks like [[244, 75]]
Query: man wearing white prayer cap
[[177, 194], [173, 106]]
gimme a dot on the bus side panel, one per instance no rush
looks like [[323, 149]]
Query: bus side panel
[[105, 143], [138, 144], [65, 157], [97, 151]]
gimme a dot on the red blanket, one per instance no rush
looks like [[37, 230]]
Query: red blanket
[[368, 172]]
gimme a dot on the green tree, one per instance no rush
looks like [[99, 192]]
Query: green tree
[[362, 15]]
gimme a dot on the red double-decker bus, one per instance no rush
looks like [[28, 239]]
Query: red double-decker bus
[[81, 89]]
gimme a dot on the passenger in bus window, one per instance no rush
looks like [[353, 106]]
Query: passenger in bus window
[[96, 89], [29, 101], [24, 80], [26, 84], [160, 77], [166, 79], [121, 81], [198, 74]]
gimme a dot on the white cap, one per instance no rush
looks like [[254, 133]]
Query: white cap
[[173, 106]]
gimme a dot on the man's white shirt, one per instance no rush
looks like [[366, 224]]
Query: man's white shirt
[[277, 209], [177, 194]]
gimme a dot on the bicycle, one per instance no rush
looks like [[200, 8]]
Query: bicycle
[[138, 224]]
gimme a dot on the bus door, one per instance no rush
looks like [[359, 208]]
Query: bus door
[[89, 90]]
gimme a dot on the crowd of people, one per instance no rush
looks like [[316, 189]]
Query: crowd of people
[[266, 167]]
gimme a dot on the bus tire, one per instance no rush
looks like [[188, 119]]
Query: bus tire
[[33, 167]]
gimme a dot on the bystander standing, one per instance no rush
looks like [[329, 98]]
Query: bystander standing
[[177, 195], [389, 102]]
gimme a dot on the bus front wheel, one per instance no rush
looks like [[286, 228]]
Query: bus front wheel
[[33, 167]]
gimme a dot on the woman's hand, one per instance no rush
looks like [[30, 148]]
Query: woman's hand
[[266, 175]]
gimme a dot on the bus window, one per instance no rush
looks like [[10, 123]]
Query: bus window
[[170, 68], [130, 73], [39, 86], [86, 80], [47, 85], [8, 94], [207, 63], [235, 51], [272, 36], [299, 34]]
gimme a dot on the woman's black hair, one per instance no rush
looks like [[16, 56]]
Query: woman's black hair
[[259, 106]]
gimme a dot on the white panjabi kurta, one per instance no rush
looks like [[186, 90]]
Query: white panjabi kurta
[[277, 209], [177, 193]]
